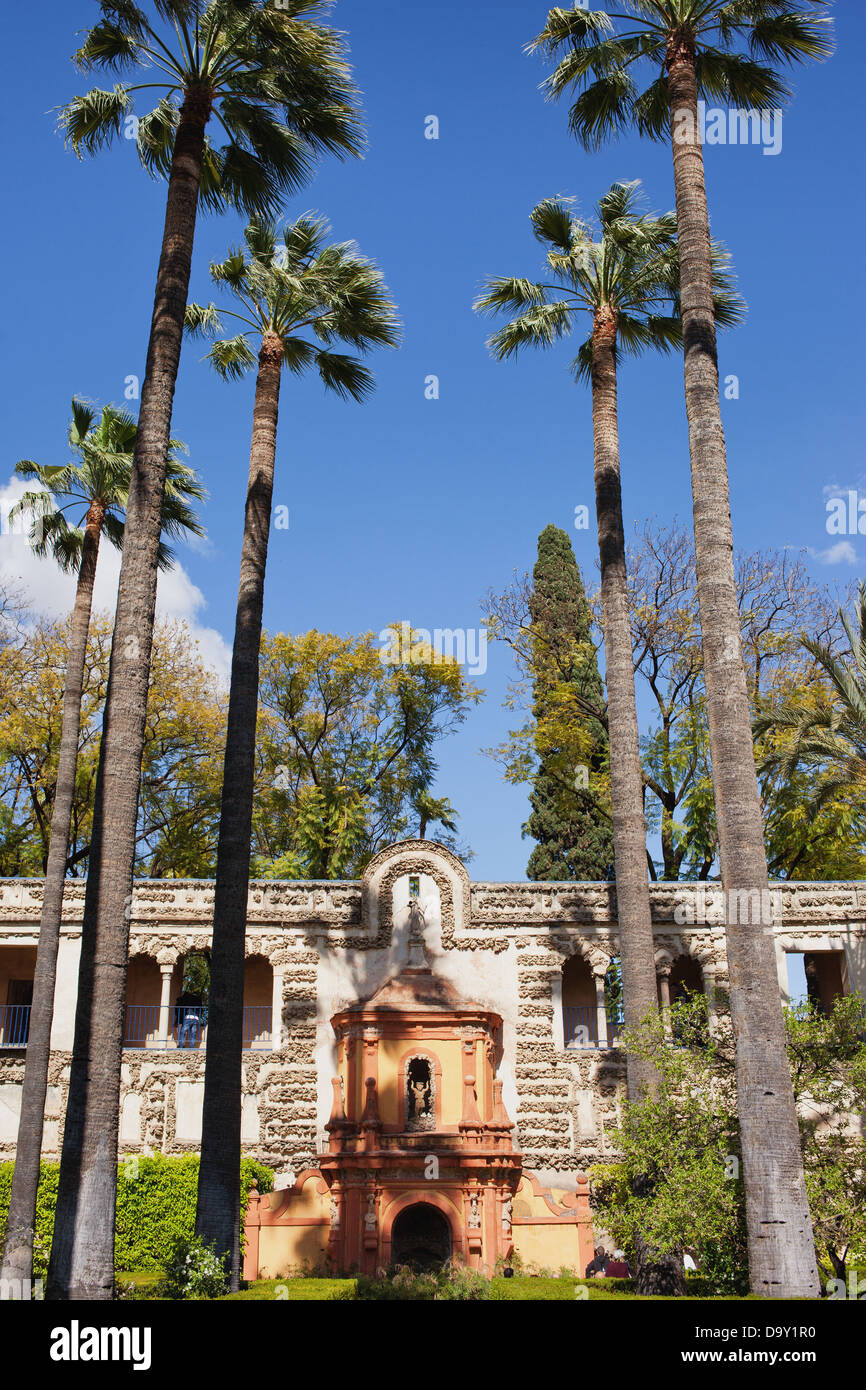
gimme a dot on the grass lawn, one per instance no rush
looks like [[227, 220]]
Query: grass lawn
[[519, 1289]]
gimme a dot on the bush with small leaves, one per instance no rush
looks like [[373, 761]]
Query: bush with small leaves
[[402, 1283], [194, 1270]]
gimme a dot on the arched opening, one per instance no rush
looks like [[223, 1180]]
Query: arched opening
[[420, 1237], [419, 1089], [686, 980], [579, 1007], [17, 967], [144, 1025], [189, 1022], [824, 979], [258, 1002]]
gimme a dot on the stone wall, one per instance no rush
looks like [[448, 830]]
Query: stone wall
[[328, 944]]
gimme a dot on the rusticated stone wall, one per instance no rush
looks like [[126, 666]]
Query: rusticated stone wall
[[501, 944]]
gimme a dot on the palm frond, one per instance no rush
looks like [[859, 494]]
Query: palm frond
[[508, 293], [232, 357], [202, 320], [345, 375], [552, 222], [733, 80], [603, 110], [81, 424], [791, 37], [91, 121], [541, 326]]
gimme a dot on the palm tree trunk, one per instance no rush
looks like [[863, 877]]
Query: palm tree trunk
[[82, 1255], [218, 1205], [21, 1217], [626, 778], [781, 1246], [655, 1273]]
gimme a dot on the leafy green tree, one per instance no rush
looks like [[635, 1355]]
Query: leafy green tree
[[645, 66], [568, 819], [821, 733], [97, 487], [185, 736], [299, 295], [276, 81], [684, 1141], [827, 1053], [675, 1182], [345, 741]]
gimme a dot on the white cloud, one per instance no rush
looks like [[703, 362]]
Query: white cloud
[[842, 553], [50, 592], [834, 490]]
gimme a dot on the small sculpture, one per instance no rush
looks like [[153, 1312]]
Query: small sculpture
[[506, 1214], [419, 1094], [370, 1214], [474, 1215], [335, 1215]]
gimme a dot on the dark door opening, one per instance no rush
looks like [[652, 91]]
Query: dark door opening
[[420, 1237]]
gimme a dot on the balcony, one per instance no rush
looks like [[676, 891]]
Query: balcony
[[14, 1025], [580, 1027], [153, 1027]]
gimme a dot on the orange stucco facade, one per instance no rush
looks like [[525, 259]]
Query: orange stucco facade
[[421, 1164]]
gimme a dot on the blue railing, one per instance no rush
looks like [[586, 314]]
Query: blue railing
[[580, 1026], [185, 1025], [14, 1025]]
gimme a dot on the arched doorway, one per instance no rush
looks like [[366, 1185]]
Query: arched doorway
[[420, 1237]]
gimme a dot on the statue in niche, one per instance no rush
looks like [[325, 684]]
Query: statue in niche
[[335, 1215], [506, 1214], [474, 1214], [370, 1214], [419, 1094]]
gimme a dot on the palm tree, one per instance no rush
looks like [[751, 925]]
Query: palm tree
[[98, 484], [433, 810], [721, 50], [299, 297], [827, 738], [276, 81], [626, 280]]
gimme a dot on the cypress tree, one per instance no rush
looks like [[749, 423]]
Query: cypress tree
[[573, 830]]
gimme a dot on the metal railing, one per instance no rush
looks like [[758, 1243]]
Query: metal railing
[[14, 1025], [580, 1026], [154, 1026]]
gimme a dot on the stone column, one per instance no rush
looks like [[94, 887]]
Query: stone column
[[664, 978], [65, 994], [163, 1031], [601, 1009], [277, 1012], [710, 991]]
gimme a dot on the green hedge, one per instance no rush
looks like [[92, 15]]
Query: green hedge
[[155, 1204]]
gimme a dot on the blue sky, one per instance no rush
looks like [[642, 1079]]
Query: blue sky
[[409, 508]]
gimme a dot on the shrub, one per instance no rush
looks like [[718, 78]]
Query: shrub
[[155, 1206], [194, 1270], [402, 1283]]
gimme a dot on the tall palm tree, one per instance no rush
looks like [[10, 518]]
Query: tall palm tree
[[97, 485], [297, 297], [721, 50], [626, 280], [276, 81]]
